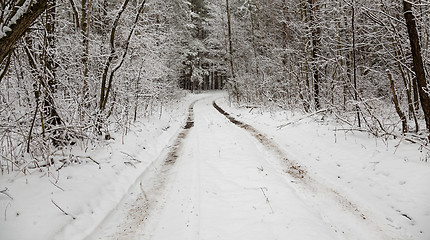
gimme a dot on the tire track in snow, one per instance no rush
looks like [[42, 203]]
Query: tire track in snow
[[150, 199], [173, 154], [152, 188], [294, 169], [300, 174]]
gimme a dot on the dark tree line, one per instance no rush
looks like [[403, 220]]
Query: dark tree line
[[204, 66]]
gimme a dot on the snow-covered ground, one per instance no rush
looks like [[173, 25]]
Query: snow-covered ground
[[85, 191], [385, 180], [216, 180]]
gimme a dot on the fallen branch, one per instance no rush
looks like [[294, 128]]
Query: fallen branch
[[304, 117], [421, 138], [62, 210], [351, 129], [403, 137], [422, 144]]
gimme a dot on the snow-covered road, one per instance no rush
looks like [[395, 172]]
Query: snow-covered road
[[219, 181]]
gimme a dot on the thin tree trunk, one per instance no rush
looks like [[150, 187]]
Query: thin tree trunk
[[230, 44], [316, 34], [230, 48], [397, 105], [354, 64], [127, 43], [407, 82], [304, 88], [103, 89], [85, 43], [75, 12], [36, 109], [254, 45]]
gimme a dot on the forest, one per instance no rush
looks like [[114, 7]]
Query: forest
[[73, 70], [215, 119]]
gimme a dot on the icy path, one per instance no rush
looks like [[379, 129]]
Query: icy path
[[220, 182]]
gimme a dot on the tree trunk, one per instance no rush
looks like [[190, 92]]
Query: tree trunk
[[75, 13], [418, 66], [230, 48], [316, 34], [85, 44], [354, 64], [304, 92], [52, 117], [230, 44]]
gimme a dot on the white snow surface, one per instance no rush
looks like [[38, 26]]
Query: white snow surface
[[226, 184]]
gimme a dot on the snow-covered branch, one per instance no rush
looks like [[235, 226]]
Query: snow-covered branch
[[19, 20]]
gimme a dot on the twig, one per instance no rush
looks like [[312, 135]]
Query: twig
[[100, 167], [62, 165], [57, 186], [267, 199], [130, 164], [5, 193], [13, 163], [351, 129], [143, 192], [62, 209], [130, 156], [343, 120], [5, 210]]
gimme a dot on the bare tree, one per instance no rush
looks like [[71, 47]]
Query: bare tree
[[105, 90]]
